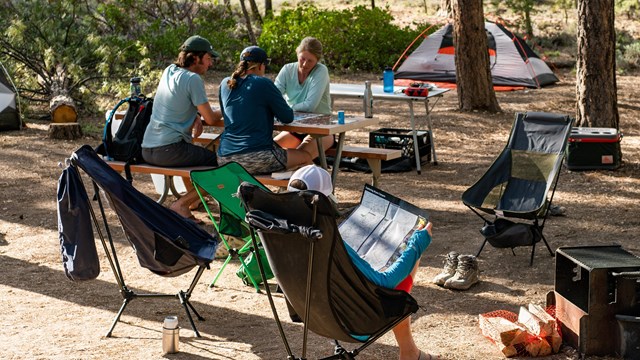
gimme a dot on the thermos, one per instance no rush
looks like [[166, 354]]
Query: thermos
[[170, 335], [134, 87], [387, 80], [368, 100]]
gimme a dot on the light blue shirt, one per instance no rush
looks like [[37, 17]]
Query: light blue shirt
[[310, 96], [401, 268], [179, 93]]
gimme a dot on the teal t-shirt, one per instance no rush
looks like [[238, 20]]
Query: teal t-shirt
[[249, 111], [312, 95], [174, 107]]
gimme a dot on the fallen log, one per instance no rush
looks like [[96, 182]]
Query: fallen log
[[63, 109]]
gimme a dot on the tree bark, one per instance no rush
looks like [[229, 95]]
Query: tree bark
[[63, 109], [65, 131], [473, 75], [596, 89], [247, 18], [268, 8]]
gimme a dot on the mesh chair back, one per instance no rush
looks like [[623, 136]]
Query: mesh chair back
[[521, 177]]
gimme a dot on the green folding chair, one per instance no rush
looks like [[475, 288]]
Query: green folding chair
[[222, 185]]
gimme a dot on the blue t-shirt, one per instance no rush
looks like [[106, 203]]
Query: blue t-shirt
[[401, 268], [249, 111], [312, 95], [175, 106]]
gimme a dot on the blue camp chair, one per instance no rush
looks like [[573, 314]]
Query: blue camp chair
[[165, 243]]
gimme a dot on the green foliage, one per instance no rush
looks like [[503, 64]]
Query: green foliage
[[358, 39], [90, 49], [627, 51]]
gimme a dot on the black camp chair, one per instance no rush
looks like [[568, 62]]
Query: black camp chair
[[309, 259], [165, 243], [521, 182]]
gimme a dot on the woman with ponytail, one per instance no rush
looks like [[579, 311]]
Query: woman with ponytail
[[250, 103]]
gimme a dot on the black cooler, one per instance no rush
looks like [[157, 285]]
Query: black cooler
[[593, 149]]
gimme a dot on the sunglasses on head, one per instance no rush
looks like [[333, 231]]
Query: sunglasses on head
[[267, 62]]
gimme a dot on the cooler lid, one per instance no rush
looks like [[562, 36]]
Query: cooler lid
[[593, 134]]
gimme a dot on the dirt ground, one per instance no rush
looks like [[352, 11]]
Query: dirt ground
[[46, 316]]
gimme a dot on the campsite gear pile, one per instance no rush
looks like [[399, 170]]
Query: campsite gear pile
[[460, 272], [513, 63], [594, 149], [532, 332], [597, 294], [521, 182]]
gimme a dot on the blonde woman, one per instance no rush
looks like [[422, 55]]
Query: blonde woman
[[305, 85]]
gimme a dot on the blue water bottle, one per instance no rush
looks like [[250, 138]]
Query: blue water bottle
[[387, 80]]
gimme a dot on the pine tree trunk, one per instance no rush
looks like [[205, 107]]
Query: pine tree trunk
[[596, 89], [473, 76]]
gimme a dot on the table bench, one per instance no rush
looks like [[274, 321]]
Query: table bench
[[374, 157], [170, 172]]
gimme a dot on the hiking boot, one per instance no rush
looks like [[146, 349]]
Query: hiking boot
[[450, 266], [466, 273]]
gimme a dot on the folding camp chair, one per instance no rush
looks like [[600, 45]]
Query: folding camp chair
[[165, 243], [222, 184], [306, 253], [521, 182]]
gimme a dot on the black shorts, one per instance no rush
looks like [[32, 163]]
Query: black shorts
[[179, 154]]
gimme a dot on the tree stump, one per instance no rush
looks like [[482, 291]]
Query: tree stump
[[65, 131], [63, 109]]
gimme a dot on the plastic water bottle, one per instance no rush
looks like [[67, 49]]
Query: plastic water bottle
[[368, 100], [387, 80]]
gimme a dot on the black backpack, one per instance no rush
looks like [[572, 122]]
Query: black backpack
[[126, 145]]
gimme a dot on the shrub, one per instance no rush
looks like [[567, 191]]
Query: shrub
[[358, 39]]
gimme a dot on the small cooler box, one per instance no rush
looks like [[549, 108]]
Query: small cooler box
[[388, 138], [593, 149]]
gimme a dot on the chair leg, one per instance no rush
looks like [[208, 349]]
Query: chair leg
[[215, 279], [533, 251], [117, 318], [186, 304], [481, 247]]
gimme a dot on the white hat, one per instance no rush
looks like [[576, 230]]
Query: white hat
[[315, 177]]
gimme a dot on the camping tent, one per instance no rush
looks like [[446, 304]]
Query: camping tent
[[512, 61], [9, 116]]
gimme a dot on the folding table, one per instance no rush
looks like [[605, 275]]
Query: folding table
[[357, 91]]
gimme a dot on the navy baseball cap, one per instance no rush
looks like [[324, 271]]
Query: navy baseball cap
[[255, 54]]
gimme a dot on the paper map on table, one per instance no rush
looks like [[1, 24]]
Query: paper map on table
[[380, 227], [303, 116]]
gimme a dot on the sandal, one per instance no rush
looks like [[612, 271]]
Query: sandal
[[425, 356], [195, 220]]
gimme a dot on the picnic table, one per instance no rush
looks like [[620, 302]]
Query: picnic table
[[357, 91]]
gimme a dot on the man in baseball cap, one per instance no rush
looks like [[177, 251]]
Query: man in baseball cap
[[197, 43], [180, 108]]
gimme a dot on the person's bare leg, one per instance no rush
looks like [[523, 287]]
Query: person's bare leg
[[181, 206], [309, 145], [297, 158], [404, 337], [286, 140]]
